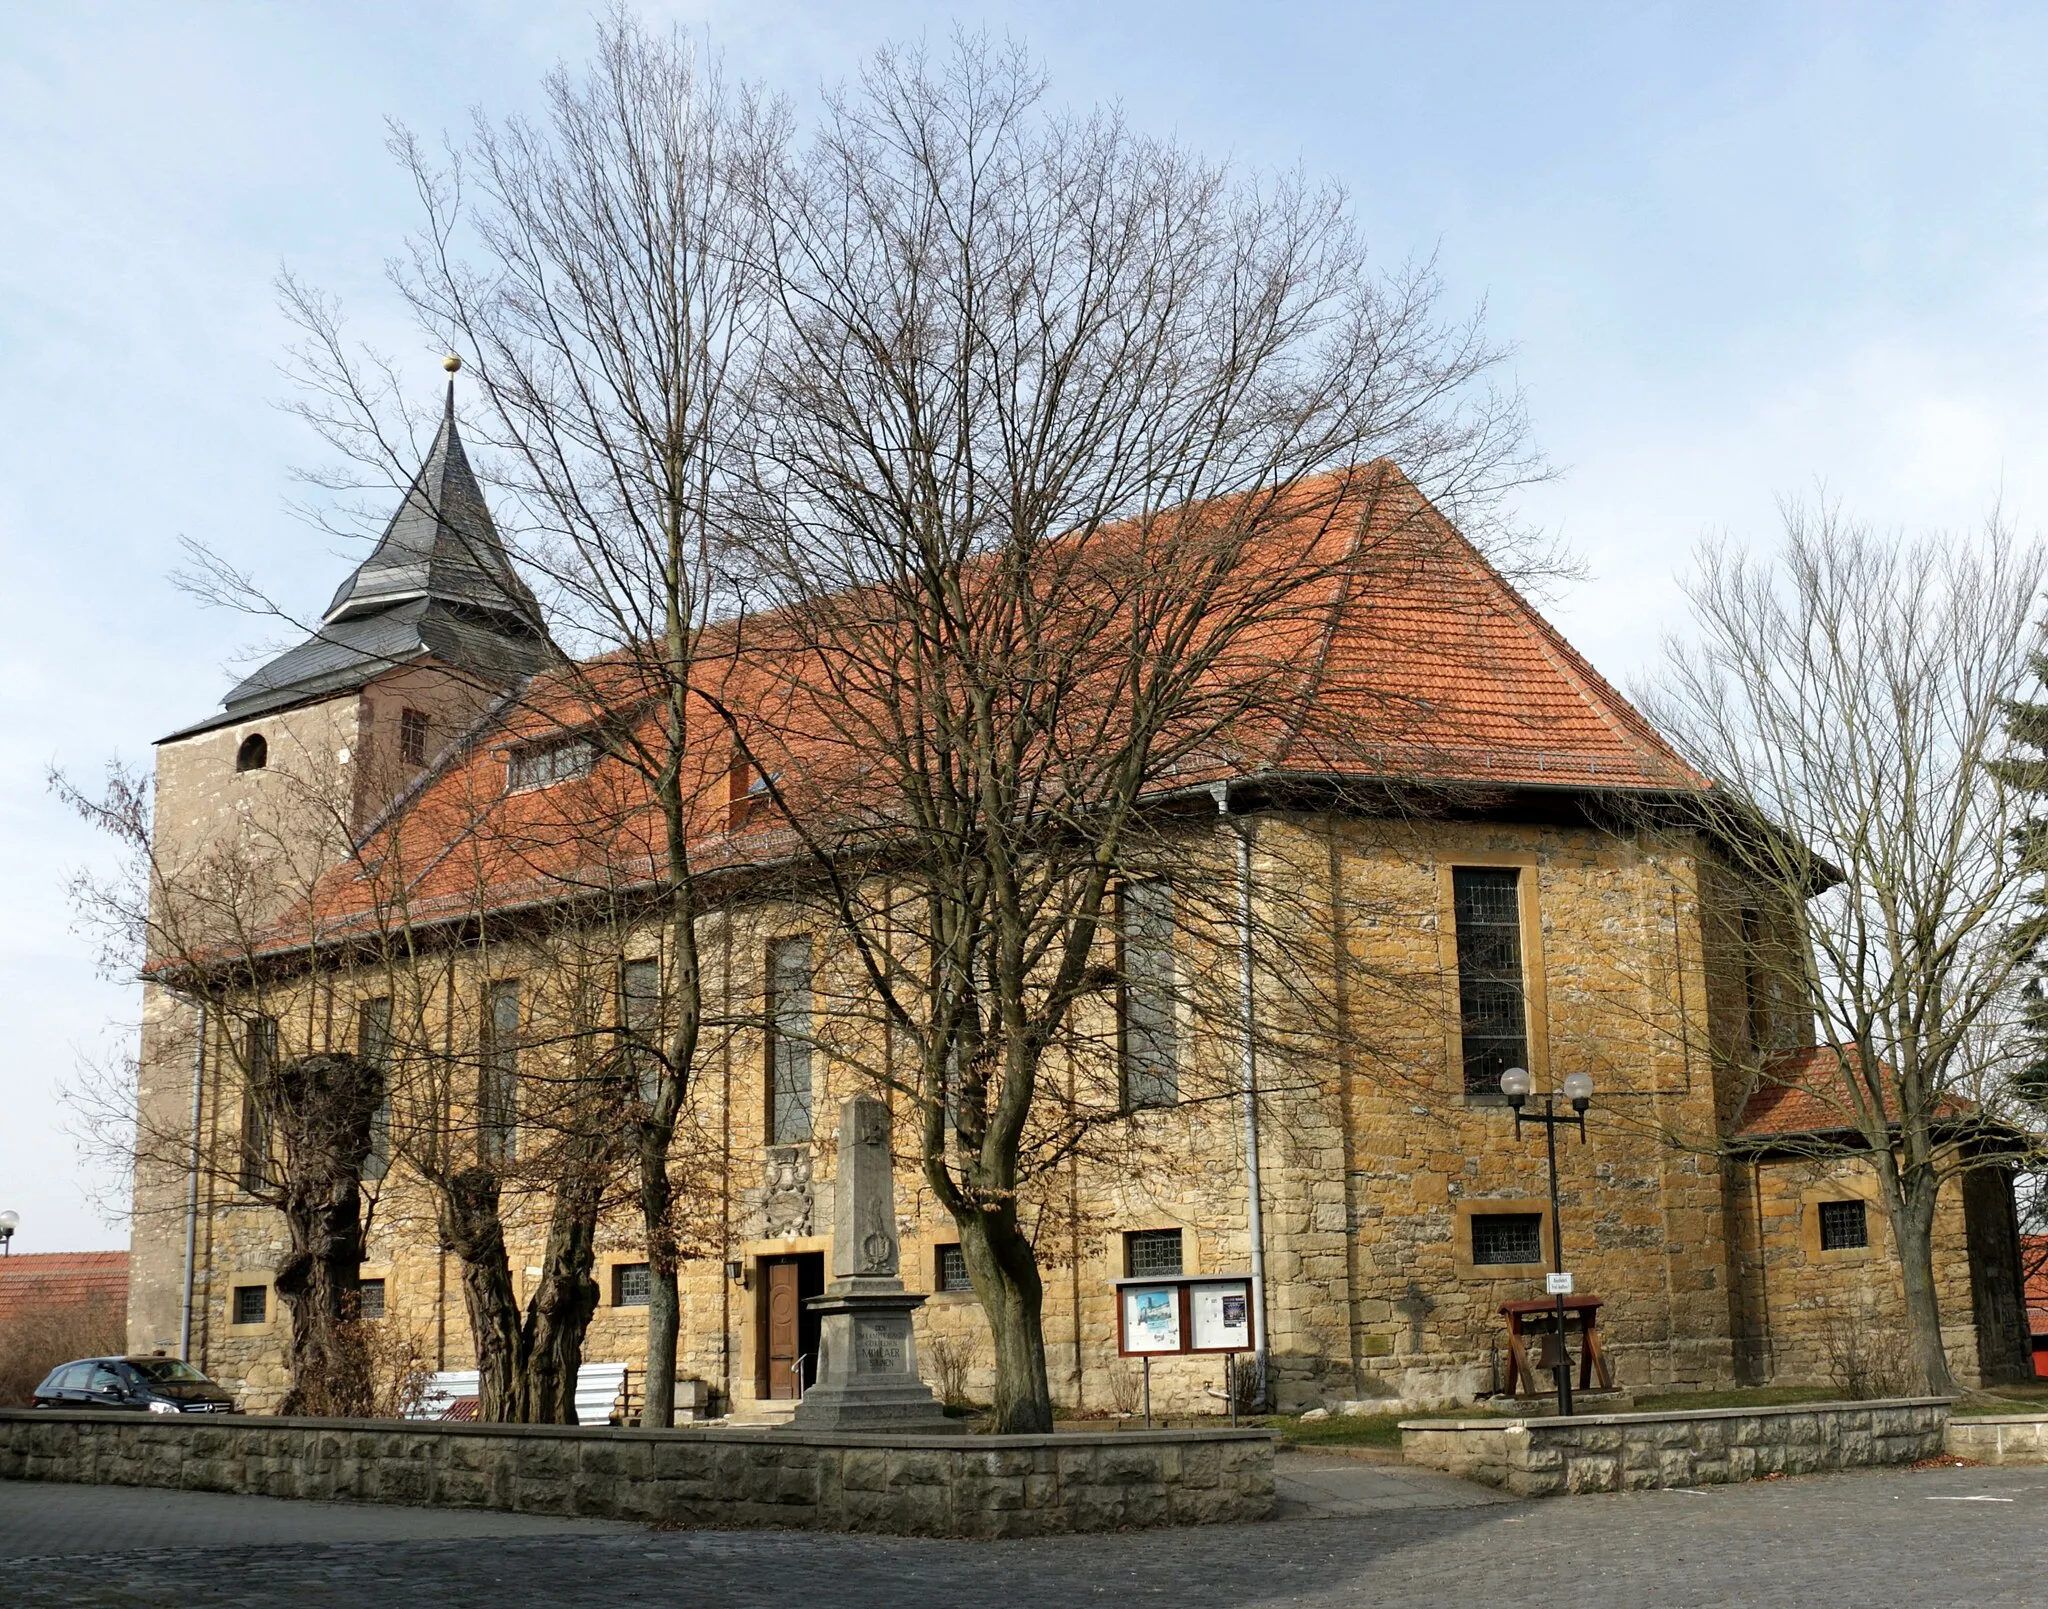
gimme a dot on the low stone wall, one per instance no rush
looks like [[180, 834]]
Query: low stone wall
[[1703, 1447], [2003, 1438], [908, 1485]]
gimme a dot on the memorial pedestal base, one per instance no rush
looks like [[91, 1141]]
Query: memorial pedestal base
[[867, 1364]]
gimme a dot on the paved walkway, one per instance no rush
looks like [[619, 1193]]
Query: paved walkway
[[1310, 1486], [38, 1520], [1953, 1537]]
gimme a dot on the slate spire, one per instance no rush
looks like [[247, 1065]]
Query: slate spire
[[441, 544], [437, 586]]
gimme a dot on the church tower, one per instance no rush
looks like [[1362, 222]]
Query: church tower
[[417, 642]]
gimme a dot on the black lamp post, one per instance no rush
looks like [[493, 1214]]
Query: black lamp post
[[1515, 1084], [9, 1222]]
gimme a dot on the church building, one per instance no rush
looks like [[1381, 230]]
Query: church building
[[1504, 877]]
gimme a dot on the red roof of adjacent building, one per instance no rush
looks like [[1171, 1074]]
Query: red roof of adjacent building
[[1805, 1092], [2034, 1263], [59, 1279], [1414, 661]]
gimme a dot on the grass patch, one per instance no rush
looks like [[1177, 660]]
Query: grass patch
[[1347, 1429], [2023, 1398], [1339, 1430], [1752, 1397]]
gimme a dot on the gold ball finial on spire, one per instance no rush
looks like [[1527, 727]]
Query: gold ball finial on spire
[[451, 362]]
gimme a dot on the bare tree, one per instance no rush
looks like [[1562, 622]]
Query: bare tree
[[338, 1025], [602, 273], [1848, 696], [1067, 453], [193, 918]]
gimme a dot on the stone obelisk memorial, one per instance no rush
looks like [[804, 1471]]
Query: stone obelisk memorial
[[867, 1356]]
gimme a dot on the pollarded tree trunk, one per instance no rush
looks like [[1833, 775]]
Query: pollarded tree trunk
[[322, 1108], [472, 1229], [1004, 1272], [550, 1352]]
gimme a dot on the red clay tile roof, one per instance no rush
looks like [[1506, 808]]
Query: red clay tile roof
[[1802, 1092], [45, 1280], [1418, 663]]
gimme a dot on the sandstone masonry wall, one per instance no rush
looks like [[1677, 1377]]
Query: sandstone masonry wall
[[1633, 1451], [2016, 1438], [1376, 1160], [981, 1486]]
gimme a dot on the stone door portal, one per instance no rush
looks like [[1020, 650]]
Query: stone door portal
[[789, 1351]]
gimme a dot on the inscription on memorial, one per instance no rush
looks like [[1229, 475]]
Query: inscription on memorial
[[878, 1350]]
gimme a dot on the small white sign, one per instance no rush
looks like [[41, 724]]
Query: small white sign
[[1557, 1284]]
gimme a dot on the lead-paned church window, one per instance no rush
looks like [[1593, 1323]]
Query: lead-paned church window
[[1507, 1237], [952, 1270], [1146, 1030], [1150, 1252], [640, 1014], [1491, 1017], [497, 1102], [789, 1041], [259, 1051], [373, 1045]]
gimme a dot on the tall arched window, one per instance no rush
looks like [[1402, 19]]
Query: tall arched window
[[254, 754]]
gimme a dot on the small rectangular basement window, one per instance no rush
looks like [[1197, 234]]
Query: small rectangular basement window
[[1507, 1237], [631, 1285], [1844, 1225], [1152, 1251], [952, 1271], [252, 1304], [369, 1298]]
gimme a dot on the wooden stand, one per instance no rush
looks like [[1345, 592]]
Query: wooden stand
[[1539, 1316]]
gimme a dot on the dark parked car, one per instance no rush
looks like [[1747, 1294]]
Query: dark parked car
[[146, 1385]]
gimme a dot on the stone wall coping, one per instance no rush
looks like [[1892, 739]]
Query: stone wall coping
[[762, 1435], [1669, 1415], [1963, 1421]]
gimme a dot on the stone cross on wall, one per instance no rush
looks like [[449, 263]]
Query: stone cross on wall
[[1415, 1307], [864, 1194]]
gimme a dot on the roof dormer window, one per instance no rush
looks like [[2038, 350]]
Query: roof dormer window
[[254, 754], [536, 765]]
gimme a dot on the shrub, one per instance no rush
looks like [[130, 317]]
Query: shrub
[[34, 1340]]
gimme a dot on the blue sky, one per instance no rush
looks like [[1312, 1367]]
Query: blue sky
[[1741, 252]]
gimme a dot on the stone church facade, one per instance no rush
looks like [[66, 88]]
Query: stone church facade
[[1509, 892]]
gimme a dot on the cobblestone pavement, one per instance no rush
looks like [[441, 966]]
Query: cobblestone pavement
[[1953, 1537]]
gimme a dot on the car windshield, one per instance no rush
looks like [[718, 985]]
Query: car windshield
[[165, 1369]]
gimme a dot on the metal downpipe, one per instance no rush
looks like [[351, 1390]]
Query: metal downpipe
[[192, 1190], [1248, 1090]]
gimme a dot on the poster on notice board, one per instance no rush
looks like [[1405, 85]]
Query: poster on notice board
[[1220, 1316], [1151, 1318]]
